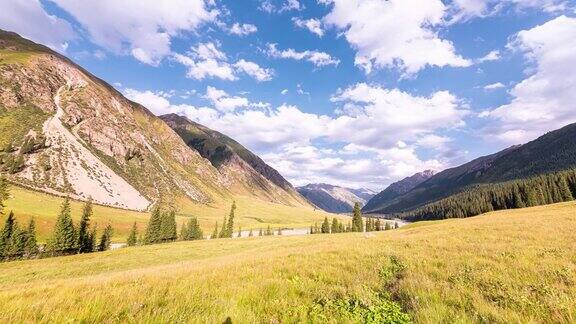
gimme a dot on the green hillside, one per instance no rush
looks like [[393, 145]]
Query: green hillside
[[503, 267], [552, 152]]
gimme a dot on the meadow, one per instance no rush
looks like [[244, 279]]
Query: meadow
[[508, 266], [251, 213]]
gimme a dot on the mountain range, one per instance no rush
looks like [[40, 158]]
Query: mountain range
[[552, 152], [66, 132], [335, 199]]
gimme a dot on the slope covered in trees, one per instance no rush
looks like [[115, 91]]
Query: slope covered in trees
[[551, 153]]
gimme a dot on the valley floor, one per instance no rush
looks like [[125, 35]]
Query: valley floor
[[508, 266], [251, 213]]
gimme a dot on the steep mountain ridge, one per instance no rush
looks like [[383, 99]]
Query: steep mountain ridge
[[552, 152], [395, 190], [334, 199], [66, 132], [229, 156]]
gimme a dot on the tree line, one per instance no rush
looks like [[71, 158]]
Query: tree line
[[357, 224], [17, 242], [535, 191]]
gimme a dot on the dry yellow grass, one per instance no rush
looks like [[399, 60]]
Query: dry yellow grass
[[508, 266]]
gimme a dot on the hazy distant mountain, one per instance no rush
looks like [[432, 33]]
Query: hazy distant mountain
[[395, 190], [335, 199]]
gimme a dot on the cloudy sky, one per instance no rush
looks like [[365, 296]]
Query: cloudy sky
[[359, 93]]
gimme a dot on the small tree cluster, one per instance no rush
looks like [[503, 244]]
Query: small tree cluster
[[17, 243], [161, 227], [191, 230], [228, 224], [67, 239]]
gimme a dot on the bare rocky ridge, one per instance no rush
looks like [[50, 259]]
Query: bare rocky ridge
[[96, 143]]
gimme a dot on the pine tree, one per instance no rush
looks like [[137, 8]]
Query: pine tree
[[230, 226], [279, 231], [357, 225], [83, 229], [335, 226], [64, 237], [325, 229], [378, 225], [16, 243], [168, 227], [6, 234], [184, 232], [223, 231], [215, 232], [4, 193], [105, 239], [239, 232], [311, 229], [153, 231], [250, 234], [260, 233], [92, 238], [194, 230], [31, 246], [269, 231], [132, 237], [396, 225], [387, 226]]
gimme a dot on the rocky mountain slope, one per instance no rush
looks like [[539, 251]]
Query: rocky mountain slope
[[395, 190], [237, 164], [333, 198], [66, 132], [552, 152]]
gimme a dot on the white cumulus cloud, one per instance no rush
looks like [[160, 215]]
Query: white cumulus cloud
[[319, 59]]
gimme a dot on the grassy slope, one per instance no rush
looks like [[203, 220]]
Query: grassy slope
[[508, 266], [251, 213]]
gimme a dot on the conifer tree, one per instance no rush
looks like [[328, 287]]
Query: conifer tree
[[16, 243], [250, 234], [4, 193], [335, 227], [239, 232], [92, 238], [132, 236], [105, 239], [194, 230], [387, 226], [269, 231], [215, 232], [260, 233], [357, 225], [64, 237], [378, 225], [168, 226], [153, 231], [396, 225], [279, 231], [224, 230], [184, 231], [31, 245], [230, 226], [325, 229], [83, 229], [6, 234]]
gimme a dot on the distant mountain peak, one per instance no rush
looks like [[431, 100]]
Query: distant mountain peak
[[334, 198]]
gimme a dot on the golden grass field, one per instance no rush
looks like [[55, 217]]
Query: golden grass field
[[503, 267], [251, 213]]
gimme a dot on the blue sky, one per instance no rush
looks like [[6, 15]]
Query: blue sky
[[349, 92]]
